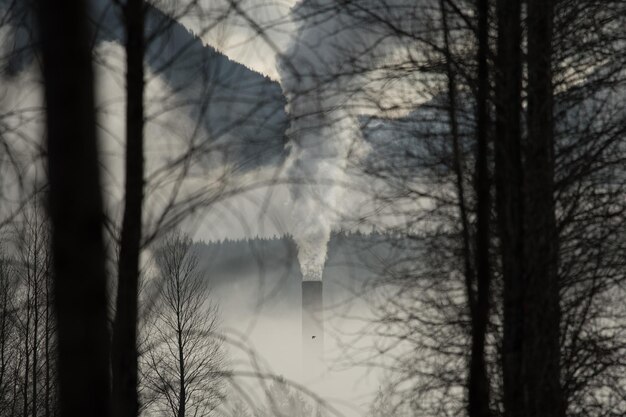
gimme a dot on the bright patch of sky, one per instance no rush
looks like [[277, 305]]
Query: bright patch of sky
[[252, 32]]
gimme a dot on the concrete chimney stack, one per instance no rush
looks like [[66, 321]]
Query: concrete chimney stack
[[312, 328]]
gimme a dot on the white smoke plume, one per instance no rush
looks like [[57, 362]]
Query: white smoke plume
[[324, 134]]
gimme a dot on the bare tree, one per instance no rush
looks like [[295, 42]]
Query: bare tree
[[9, 348], [34, 261], [476, 244], [584, 137], [183, 365]]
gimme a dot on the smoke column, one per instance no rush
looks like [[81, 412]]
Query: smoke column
[[323, 136]]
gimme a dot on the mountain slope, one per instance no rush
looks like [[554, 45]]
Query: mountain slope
[[240, 112]]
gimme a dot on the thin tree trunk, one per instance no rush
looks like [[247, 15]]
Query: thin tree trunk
[[26, 348], [478, 301], [457, 163], [47, 342], [125, 399], [3, 330], [15, 395], [182, 394], [509, 198], [479, 390], [182, 403], [35, 361], [75, 208], [543, 314], [36, 316]]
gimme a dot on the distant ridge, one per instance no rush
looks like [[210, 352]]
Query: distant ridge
[[241, 112], [354, 260]]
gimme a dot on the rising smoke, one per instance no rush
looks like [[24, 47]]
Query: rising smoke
[[338, 68], [323, 135]]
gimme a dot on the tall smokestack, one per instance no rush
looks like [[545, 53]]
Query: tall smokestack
[[312, 328]]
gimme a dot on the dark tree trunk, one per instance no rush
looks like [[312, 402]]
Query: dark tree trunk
[[26, 349], [35, 276], [3, 328], [457, 162], [182, 394], [15, 395], [35, 335], [479, 390], [75, 208], [48, 332], [47, 360], [542, 314], [125, 399], [509, 198], [478, 301]]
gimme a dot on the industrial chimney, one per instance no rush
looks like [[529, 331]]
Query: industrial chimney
[[312, 328]]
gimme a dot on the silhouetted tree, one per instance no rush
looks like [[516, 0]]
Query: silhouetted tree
[[75, 209], [541, 306], [479, 387], [509, 198], [183, 366], [124, 342]]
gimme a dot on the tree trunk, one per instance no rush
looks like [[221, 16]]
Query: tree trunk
[[509, 198], [479, 390], [3, 328], [542, 314], [457, 163], [182, 402], [26, 348], [182, 394], [47, 342], [15, 395], [478, 301], [75, 208], [125, 400], [35, 317]]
